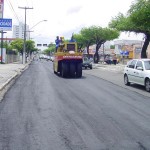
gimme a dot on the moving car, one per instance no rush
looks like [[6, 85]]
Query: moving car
[[138, 71], [87, 63]]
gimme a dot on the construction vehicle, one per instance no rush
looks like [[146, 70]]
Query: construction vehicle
[[68, 60]]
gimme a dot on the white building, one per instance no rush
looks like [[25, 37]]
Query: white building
[[18, 31]]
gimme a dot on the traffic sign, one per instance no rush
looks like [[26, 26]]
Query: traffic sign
[[6, 24]]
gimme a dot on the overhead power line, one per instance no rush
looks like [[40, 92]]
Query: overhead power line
[[12, 9]]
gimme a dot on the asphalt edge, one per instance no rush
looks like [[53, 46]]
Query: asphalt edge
[[9, 82]]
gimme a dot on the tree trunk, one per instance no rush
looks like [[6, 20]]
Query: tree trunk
[[96, 55], [144, 48], [88, 51]]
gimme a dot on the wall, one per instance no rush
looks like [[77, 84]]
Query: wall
[[12, 58]]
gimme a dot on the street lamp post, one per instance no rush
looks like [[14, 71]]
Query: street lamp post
[[34, 26], [37, 24]]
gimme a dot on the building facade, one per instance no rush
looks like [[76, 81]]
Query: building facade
[[18, 31], [131, 47]]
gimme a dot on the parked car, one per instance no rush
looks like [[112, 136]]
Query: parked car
[[87, 63], [138, 71]]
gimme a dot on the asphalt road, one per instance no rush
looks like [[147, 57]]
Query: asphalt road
[[42, 111]]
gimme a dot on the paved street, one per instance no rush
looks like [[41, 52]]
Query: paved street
[[114, 74], [46, 112]]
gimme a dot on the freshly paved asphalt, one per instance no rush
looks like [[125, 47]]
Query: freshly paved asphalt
[[42, 111], [114, 74], [111, 73]]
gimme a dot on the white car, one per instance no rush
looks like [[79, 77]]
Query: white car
[[138, 71]]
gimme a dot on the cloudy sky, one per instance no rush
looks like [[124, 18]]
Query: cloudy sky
[[65, 16]]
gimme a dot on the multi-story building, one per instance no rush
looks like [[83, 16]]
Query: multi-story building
[[18, 31]]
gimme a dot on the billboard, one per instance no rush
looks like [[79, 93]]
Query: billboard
[[6, 24]]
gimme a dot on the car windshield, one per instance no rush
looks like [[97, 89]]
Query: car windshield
[[147, 65]]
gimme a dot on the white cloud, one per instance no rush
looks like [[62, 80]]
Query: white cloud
[[65, 16]]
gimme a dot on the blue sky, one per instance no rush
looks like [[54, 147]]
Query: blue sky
[[65, 16]]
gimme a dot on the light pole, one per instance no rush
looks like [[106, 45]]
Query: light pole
[[34, 26], [24, 43], [37, 24], [29, 33]]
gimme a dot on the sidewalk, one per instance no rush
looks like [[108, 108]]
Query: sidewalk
[[112, 67], [111, 73], [9, 72]]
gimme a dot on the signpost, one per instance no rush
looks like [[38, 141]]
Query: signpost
[[5, 25], [1, 8]]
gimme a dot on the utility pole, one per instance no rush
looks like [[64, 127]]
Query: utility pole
[[29, 34], [24, 43], [2, 32], [1, 16]]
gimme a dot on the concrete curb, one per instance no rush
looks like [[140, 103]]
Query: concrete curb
[[5, 86]]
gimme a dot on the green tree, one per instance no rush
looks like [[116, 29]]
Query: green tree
[[50, 50], [137, 20], [30, 47], [9, 49], [87, 37], [112, 46], [17, 44], [100, 36], [80, 40]]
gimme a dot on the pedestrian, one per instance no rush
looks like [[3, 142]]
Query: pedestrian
[[115, 59], [57, 41]]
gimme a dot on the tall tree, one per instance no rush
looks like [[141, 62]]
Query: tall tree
[[100, 36], [18, 44], [80, 40], [51, 49], [9, 49], [30, 47], [86, 37], [137, 20]]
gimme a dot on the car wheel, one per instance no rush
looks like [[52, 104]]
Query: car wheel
[[147, 85], [126, 81]]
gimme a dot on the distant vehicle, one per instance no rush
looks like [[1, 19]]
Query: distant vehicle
[[87, 63], [138, 71], [52, 58]]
